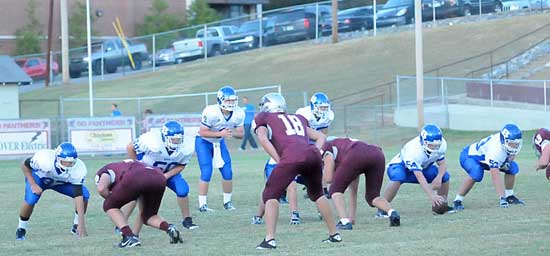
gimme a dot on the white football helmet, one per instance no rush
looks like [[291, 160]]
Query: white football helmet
[[273, 103]]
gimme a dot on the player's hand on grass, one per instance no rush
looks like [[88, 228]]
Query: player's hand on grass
[[437, 200], [81, 230]]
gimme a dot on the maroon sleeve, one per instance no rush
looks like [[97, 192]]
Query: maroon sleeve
[[304, 120], [260, 120]]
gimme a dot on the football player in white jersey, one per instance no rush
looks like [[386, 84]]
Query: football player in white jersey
[[495, 153], [416, 163], [166, 149], [319, 117], [62, 171], [219, 121]]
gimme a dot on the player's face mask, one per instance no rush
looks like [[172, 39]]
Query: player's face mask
[[432, 146], [512, 147], [173, 142], [65, 164]]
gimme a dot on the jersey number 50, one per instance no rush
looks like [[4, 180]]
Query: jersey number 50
[[292, 124]]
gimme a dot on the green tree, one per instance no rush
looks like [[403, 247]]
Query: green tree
[[200, 13], [29, 36], [159, 20], [77, 25]]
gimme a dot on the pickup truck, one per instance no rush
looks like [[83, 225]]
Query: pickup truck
[[112, 54], [193, 48]]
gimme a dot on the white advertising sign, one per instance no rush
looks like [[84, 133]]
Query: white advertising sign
[[101, 135], [24, 137]]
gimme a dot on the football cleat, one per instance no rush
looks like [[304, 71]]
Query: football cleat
[[381, 214], [20, 234], [326, 193], [503, 203], [74, 229], [457, 205], [514, 200], [395, 219], [129, 241], [341, 226], [336, 238], [174, 235], [229, 206], [205, 208], [267, 245], [295, 218], [188, 223], [257, 220]]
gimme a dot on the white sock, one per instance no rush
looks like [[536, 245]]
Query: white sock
[[202, 200], [23, 223], [75, 221], [344, 221], [459, 198], [390, 211], [508, 192], [227, 197]]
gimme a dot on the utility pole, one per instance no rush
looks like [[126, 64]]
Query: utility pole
[[419, 63], [49, 47], [334, 21], [64, 41]]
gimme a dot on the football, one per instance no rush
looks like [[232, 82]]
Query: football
[[440, 209]]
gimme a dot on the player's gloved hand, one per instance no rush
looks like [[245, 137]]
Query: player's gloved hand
[[36, 189], [503, 203]]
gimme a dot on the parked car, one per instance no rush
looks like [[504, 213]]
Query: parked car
[[193, 48], [248, 36], [216, 38], [515, 5], [36, 67], [110, 54], [401, 12], [298, 23], [352, 19], [164, 56]]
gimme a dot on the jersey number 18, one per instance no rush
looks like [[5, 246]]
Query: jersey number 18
[[292, 124]]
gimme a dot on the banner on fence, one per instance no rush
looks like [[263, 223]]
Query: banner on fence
[[24, 137], [101, 135]]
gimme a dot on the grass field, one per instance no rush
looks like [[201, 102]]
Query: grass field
[[482, 229]]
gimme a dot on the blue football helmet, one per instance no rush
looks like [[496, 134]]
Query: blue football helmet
[[227, 98], [431, 138], [319, 104], [172, 134], [510, 138], [65, 152], [273, 103]]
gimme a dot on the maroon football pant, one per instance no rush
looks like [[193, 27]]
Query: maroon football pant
[[138, 182], [360, 159], [305, 161]]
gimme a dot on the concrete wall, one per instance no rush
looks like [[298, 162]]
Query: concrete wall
[[473, 118]]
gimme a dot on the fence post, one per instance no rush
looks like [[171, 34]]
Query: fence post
[[374, 18], [433, 12], [140, 117], [279, 89], [316, 22], [205, 45], [397, 96], [480, 8], [205, 99], [61, 108], [507, 69], [102, 62], [154, 53], [51, 67], [61, 117], [442, 92], [491, 59], [260, 11], [491, 89], [544, 96]]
